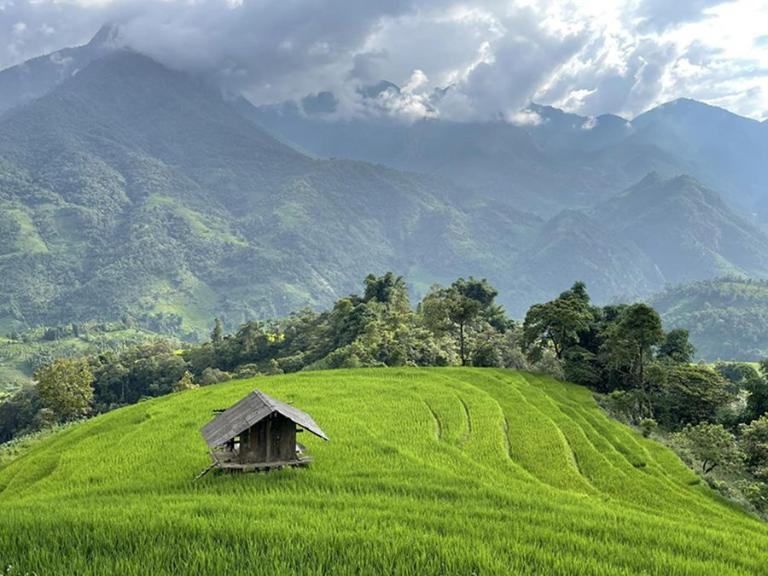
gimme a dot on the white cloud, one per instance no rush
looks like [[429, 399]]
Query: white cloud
[[591, 56], [525, 118]]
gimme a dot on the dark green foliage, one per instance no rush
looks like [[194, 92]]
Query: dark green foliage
[[710, 445], [140, 372], [623, 350], [629, 346], [217, 334], [727, 318], [676, 347], [754, 442], [465, 310], [18, 413], [648, 426], [66, 388], [687, 394], [757, 401], [583, 366], [557, 323]]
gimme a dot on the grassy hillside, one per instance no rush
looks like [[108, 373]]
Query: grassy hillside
[[427, 472]]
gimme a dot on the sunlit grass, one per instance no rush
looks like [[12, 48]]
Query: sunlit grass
[[431, 471]]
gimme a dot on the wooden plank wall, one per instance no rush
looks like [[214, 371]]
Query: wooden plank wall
[[270, 440]]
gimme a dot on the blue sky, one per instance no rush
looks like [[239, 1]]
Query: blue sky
[[590, 57]]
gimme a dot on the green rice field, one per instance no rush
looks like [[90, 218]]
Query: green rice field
[[428, 471]]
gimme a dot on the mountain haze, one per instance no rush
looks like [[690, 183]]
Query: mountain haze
[[34, 78], [128, 189], [686, 229], [132, 188], [553, 159]]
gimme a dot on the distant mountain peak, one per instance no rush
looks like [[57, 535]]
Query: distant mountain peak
[[690, 109], [653, 178], [107, 36]]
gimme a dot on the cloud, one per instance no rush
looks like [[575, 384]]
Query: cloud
[[663, 14], [525, 118], [456, 59]]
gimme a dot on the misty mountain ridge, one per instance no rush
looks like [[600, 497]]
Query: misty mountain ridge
[[555, 159], [129, 189], [36, 77], [133, 189]]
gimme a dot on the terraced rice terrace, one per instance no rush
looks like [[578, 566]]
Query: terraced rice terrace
[[428, 471]]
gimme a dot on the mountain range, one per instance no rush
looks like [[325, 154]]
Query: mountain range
[[556, 161], [130, 189]]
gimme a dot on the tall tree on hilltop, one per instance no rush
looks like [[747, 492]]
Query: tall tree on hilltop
[[457, 308], [217, 334], [630, 342], [556, 324], [388, 289]]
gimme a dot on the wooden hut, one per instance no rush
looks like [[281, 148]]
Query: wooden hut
[[258, 433]]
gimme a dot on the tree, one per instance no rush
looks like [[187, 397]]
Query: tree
[[557, 323], [388, 289], [631, 340], [581, 366], [754, 442], [689, 395], [17, 413], [186, 382], [217, 334], [711, 445], [463, 309], [676, 347], [757, 385], [66, 387]]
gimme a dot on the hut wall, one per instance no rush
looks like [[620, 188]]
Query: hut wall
[[283, 439], [272, 439]]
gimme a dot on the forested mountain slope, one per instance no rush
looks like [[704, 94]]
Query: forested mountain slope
[[131, 191], [134, 189], [554, 160], [428, 471], [727, 318], [686, 229]]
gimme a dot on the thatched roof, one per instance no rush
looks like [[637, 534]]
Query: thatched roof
[[250, 410]]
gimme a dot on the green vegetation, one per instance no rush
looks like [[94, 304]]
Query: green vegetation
[[66, 388], [114, 207], [727, 318], [428, 471], [21, 353], [642, 374]]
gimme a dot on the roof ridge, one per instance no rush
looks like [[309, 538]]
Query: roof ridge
[[264, 397], [238, 415]]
